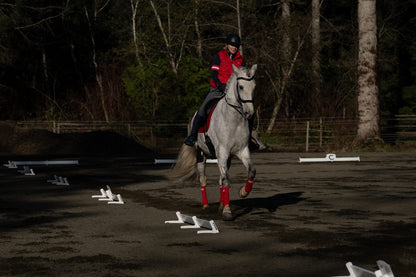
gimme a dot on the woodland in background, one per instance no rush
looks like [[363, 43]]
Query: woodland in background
[[150, 59]]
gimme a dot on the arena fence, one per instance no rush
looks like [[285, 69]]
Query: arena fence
[[302, 134]]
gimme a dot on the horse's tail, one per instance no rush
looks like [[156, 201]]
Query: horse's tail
[[185, 167]]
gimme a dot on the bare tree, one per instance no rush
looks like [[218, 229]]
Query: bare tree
[[368, 105], [134, 5], [316, 46], [166, 33], [98, 76], [197, 30]]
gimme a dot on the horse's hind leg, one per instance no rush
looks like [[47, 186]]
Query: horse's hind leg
[[246, 159]]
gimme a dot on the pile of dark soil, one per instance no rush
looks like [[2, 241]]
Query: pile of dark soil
[[18, 141]]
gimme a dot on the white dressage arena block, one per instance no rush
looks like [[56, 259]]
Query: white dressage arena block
[[118, 200], [195, 223], [14, 164], [102, 195], [109, 196], [27, 171], [330, 158], [173, 161], [356, 271], [59, 181]]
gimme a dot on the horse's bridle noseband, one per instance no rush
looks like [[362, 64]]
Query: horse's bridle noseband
[[240, 101]]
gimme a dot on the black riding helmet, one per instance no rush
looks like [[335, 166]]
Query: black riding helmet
[[233, 39]]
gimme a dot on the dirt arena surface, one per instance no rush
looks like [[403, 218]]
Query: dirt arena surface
[[301, 220]]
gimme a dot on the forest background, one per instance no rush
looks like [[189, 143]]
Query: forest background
[[150, 60]]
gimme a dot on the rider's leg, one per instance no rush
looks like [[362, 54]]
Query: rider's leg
[[214, 95], [198, 121]]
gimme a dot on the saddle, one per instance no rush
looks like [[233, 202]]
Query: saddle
[[204, 128]]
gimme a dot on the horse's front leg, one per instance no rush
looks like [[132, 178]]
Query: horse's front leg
[[202, 177], [225, 193], [244, 156]]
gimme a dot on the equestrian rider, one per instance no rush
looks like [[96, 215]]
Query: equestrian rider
[[221, 71]]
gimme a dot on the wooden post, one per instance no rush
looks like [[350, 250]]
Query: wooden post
[[320, 132], [307, 136]]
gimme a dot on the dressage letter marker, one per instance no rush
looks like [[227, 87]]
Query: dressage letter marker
[[330, 158], [196, 223]]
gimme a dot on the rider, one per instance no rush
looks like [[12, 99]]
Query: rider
[[221, 70]]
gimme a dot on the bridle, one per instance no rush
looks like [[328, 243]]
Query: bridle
[[239, 107]]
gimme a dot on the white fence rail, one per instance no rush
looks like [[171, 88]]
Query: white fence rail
[[306, 133]]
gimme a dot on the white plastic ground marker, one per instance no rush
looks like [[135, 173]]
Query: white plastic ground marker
[[59, 181], [102, 195], [195, 223], [109, 196], [172, 161], [118, 200], [14, 164], [356, 271], [27, 171], [330, 158]]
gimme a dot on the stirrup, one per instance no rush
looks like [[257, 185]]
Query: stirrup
[[252, 144]]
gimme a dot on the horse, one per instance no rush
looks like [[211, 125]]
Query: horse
[[227, 136]]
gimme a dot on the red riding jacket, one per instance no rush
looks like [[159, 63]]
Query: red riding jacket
[[221, 68]]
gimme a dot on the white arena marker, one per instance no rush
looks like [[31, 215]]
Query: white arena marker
[[196, 223], [165, 161], [11, 164], [103, 194], [173, 161], [119, 200], [356, 271], [330, 158]]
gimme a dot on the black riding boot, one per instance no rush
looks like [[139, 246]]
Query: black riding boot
[[198, 121]]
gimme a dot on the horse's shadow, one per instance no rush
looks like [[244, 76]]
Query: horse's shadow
[[245, 206]]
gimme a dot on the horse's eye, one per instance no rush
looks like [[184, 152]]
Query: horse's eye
[[241, 87]]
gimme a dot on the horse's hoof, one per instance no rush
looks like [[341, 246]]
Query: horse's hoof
[[243, 193], [220, 207], [226, 213], [204, 207]]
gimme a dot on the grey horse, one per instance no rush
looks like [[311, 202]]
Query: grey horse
[[227, 136]]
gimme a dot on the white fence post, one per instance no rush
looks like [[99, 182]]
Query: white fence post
[[307, 136]]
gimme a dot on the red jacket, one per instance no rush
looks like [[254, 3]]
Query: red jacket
[[222, 68]]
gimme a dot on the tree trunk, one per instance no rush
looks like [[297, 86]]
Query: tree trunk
[[237, 7], [98, 77], [316, 41], [134, 4], [165, 38], [197, 30], [368, 106], [286, 47]]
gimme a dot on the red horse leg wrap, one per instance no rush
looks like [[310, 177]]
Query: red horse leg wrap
[[226, 196], [221, 195], [249, 185], [204, 196]]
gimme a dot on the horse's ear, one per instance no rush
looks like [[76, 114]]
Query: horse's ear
[[253, 69]]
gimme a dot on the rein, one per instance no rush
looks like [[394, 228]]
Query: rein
[[240, 101]]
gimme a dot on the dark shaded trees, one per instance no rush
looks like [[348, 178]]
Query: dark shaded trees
[[149, 59]]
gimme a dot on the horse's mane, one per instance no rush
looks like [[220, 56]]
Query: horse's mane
[[233, 78]]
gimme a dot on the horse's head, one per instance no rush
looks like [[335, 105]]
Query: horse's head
[[244, 85]]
